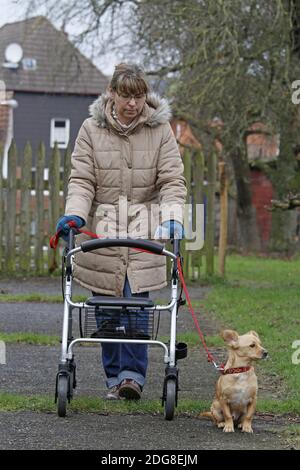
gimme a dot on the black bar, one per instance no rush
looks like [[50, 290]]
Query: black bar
[[91, 245]]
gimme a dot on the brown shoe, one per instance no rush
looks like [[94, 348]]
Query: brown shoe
[[113, 393], [130, 390]]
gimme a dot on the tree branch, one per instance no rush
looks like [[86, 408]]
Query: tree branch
[[290, 202]]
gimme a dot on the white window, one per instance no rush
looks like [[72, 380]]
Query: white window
[[60, 132], [29, 63]]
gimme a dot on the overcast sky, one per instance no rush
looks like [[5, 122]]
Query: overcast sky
[[9, 13]]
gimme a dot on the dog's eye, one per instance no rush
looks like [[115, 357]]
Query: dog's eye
[[252, 345]]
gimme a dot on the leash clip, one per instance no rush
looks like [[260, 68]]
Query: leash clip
[[219, 368]]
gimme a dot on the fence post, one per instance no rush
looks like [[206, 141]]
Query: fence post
[[39, 201], [223, 217], [1, 204], [210, 225], [25, 216], [198, 177], [67, 170], [187, 160], [11, 209], [54, 201]]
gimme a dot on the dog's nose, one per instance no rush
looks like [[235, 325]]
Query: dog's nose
[[265, 354]]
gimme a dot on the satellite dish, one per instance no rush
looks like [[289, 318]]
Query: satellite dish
[[13, 53]]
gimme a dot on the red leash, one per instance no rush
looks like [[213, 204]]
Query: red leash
[[54, 242], [55, 238], [210, 357]]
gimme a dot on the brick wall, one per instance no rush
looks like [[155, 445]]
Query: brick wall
[[4, 114], [184, 134], [262, 193]]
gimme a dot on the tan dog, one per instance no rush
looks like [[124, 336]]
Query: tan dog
[[236, 388]]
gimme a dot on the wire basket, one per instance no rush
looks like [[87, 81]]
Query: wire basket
[[117, 323]]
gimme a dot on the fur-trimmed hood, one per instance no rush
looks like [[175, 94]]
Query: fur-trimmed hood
[[157, 110]]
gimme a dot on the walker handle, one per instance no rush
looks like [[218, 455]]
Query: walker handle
[[176, 246], [153, 247]]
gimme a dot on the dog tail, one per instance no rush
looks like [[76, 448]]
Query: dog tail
[[206, 414]]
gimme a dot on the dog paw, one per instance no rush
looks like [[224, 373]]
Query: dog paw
[[247, 428], [221, 425], [228, 428]]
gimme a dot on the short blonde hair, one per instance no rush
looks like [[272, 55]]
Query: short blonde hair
[[129, 79]]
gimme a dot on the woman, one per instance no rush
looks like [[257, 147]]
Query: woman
[[126, 176]]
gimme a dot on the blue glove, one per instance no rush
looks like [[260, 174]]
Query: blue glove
[[170, 229], [63, 227]]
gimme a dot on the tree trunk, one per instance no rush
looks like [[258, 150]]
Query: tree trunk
[[223, 217], [283, 229], [283, 222], [210, 218], [246, 214]]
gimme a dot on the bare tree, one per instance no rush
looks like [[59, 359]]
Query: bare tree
[[232, 61], [96, 26], [235, 61], [225, 60]]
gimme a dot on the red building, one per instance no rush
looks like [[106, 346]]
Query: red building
[[261, 147]]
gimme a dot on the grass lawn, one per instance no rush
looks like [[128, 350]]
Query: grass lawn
[[263, 295], [257, 294]]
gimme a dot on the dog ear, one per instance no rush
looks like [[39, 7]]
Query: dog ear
[[251, 332], [230, 337]]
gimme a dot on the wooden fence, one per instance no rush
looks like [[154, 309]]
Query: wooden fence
[[201, 181], [30, 206]]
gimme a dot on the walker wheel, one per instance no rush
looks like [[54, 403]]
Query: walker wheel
[[170, 399], [62, 395]]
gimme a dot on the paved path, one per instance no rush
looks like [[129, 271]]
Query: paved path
[[31, 370]]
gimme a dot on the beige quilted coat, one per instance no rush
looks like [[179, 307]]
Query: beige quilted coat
[[117, 176]]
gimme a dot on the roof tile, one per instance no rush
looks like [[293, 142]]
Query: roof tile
[[61, 68]]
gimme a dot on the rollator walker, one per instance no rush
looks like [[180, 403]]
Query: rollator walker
[[132, 321]]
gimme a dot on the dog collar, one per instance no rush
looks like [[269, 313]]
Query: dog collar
[[236, 370]]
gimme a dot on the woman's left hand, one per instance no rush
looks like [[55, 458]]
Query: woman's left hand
[[169, 229]]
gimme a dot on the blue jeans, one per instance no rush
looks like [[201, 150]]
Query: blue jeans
[[123, 361]]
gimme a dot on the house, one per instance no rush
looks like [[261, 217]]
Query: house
[[262, 147], [49, 85], [4, 114], [184, 134]]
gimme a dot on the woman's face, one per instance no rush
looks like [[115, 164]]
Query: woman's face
[[127, 106]]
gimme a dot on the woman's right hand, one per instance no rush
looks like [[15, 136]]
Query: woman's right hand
[[63, 224]]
